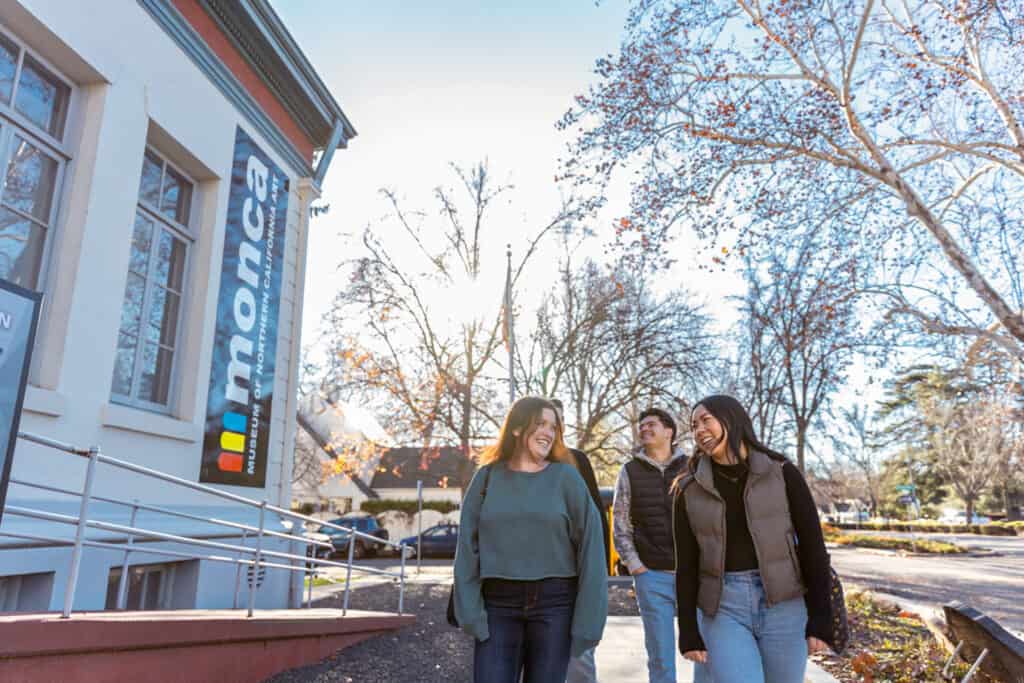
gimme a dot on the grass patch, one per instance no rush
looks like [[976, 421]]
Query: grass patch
[[885, 543], [888, 645], [319, 581]]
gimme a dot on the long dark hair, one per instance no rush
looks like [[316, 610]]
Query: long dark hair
[[523, 418], [739, 428]]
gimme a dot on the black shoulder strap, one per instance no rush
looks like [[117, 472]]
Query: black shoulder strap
[[487, 481]]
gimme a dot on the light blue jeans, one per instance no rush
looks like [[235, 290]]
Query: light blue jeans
[[656, 598], [750, 642]]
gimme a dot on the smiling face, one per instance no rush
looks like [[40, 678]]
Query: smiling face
[[708, 433], [654, 433], [541, 435]]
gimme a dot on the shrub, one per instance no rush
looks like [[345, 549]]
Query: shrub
[[409, 507], [862, 541], [997, 530]]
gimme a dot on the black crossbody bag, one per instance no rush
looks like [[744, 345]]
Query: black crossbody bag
[[452, 621]]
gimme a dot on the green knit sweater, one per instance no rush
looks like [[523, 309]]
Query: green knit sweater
[[530, 526]]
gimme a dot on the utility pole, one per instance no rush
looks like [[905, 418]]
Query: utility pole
[[510, 337]]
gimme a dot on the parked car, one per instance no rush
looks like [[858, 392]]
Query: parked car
[[960, 517], [318, 550], [363, 523], [438, 540]]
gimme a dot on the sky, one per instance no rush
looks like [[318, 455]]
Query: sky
[[426, 84]]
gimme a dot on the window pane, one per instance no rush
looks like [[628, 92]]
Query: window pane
[[131, 310], [28, 185], [21, 249], [124, 364], [163, 316], [155, 382], [170, 264], [149, 186], [142, 240], [42, 98], [176, 197], [8, 65], [113, 580], [135, 578], [153, 590]]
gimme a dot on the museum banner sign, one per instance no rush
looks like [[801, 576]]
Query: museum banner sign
[[237, 436]]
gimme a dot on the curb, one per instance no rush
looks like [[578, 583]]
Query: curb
[[906, 553]]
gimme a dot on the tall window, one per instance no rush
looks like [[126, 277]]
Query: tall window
[[33, 111], [151, 312]]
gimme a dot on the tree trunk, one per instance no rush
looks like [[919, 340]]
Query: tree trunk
[[801, 436], [468, 467], [970, 510]]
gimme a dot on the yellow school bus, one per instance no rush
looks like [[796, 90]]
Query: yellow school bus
[[615, 568]]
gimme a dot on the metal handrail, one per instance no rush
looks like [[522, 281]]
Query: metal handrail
[[139, 469], [173, 513], [19, 511], [309, 562]]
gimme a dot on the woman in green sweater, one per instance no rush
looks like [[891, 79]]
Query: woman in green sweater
[[530, 580]]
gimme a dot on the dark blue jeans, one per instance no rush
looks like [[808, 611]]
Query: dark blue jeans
[[530, 624]]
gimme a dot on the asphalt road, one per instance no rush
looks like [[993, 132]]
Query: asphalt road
[[995, 584]]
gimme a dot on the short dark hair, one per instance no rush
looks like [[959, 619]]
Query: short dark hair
[[663, 417], [557, 403]]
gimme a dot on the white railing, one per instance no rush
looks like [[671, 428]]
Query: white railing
[[242, 556]]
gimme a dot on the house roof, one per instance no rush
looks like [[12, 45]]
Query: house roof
[[401, 468]]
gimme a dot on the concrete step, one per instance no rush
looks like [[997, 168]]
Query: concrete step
[[193, 646]]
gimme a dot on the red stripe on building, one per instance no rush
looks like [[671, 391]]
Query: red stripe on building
[[246, 75]]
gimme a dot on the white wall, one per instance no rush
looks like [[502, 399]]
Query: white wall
[[134, 84]]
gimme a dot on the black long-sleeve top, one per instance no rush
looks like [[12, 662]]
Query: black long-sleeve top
[[590, 479], [740, 554]]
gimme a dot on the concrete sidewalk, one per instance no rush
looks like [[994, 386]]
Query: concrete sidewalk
[[622, 658]]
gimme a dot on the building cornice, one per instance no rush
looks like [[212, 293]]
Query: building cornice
[[265, 43], [181, 32]]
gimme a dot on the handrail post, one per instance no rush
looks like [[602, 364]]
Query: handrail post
[[348, 572], [401, 583], [238, 571], [122, 585], [312, 578], [76, 552], [254, 583]]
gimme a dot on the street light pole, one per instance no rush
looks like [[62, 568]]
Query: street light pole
[[510, 328]]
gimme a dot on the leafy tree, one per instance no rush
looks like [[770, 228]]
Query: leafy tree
[[608, 346], [802, 310], [891, 129], [393, 349]]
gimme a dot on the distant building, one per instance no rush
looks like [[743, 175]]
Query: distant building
[[438, 468]]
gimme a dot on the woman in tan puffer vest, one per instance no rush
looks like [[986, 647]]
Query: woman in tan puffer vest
[[749, 555]]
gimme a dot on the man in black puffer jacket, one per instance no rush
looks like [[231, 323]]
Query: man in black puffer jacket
[[642, 515]]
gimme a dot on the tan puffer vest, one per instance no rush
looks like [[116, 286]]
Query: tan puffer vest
[[770, 526]]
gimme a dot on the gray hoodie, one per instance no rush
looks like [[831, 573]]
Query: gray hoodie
[[622, 522]]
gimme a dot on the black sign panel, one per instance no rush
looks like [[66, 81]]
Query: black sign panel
[[19, 315], [245, 344]]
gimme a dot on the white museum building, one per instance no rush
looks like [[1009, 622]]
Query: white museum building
[[160, 158]]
